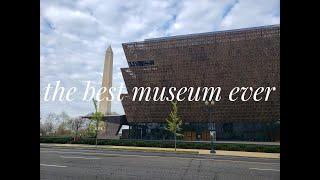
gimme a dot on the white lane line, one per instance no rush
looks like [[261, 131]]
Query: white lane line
[[153, 156], [52, 165], [78, 157], [265, 169]]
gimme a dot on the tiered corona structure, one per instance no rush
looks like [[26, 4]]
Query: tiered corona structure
[[234, 58]]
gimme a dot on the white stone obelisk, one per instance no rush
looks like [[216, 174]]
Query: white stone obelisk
[[104, 105]]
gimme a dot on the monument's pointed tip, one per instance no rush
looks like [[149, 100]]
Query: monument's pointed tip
[[109, 48]]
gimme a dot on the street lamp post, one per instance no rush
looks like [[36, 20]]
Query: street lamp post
[[212, 127]]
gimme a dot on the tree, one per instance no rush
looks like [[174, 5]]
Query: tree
[[53, 118], [96, 117], [63, 117], [90, 128], [62, 123], [174, 123], [62, 129], [76, 124], [41, 129], [46, 128]]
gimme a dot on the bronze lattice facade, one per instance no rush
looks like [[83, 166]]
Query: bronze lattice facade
[[243, 57]]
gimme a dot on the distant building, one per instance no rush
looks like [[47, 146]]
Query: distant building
[[242, 57]]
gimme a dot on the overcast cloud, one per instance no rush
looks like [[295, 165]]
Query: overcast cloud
[[75, 34]]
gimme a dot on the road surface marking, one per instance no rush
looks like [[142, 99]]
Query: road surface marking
[[51, 165], [151, 156], [265, 169], [78, 157]]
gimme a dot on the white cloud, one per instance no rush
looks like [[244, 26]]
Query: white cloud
[[247, 13], [200, 16], [75, 34]]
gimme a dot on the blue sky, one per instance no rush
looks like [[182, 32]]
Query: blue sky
[[75, 34]]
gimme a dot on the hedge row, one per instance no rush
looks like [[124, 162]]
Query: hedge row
[[164, 144]]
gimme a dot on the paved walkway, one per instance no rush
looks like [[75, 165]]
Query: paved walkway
[[247, 142], [156, 149]]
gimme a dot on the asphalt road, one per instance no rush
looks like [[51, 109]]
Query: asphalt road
[[80, 164]]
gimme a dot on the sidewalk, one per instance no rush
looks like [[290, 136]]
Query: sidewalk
[[156, 149], [247, 142]]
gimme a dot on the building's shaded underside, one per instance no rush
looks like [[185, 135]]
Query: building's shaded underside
[[227, 59]]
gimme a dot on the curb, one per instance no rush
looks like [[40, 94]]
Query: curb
[[119, 149], [164, 150]]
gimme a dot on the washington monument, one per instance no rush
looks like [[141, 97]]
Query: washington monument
[[105, 106]]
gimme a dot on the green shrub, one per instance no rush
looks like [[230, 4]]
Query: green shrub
[[58, 140], [164, 144]]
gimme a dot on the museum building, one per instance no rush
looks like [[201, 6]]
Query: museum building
[[247, 57]]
